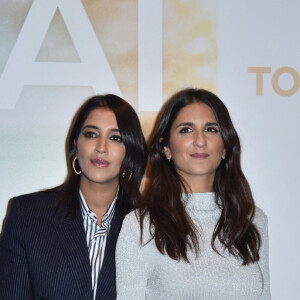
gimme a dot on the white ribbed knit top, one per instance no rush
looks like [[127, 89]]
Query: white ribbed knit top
[[144, 273]]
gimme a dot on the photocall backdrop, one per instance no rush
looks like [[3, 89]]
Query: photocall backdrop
[[55, 54]]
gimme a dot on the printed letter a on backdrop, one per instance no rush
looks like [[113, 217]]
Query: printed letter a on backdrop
[[21, 68]]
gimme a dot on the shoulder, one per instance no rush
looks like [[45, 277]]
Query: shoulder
[[129, 234], [132, 220], [132, 226], [34, 202], [27, 214], [38, 198], [260, 218]]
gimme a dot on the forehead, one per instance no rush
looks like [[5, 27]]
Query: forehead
[[102, 116], [195, 113]]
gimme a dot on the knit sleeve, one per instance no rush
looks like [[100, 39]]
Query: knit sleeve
[[261, 221], [132, 262]]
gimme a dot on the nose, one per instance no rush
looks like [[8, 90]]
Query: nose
[[101, 146], [200, 139]]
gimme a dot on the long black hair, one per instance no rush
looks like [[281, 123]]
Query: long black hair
[[174, 231], [134, 162]]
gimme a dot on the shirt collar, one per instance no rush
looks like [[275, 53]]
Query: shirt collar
[[86, 211]]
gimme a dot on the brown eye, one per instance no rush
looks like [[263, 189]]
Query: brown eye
[[90, 134], [116, 138], [212, 129], [185, 130]]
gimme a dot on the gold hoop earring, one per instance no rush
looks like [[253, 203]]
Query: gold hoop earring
[[130, 176], [124, 175], [74, 167]]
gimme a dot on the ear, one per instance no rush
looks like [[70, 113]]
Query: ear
[[75, 144], [224, 154], [167, 152]]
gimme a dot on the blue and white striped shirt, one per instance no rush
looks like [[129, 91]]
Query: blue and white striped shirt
[[96, 236]]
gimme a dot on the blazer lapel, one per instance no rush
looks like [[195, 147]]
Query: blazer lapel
[[73, 241], [106, 288]]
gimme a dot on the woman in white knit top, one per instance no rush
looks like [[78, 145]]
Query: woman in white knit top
[[196, 233]]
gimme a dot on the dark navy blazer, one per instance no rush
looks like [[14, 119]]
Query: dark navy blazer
[[44, 255]]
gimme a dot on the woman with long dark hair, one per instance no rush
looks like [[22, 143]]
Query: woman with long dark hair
[[60, 243], [196, 233]]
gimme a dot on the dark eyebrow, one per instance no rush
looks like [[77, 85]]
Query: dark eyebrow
[[212, 124], [97, 128], [185, 124], [192, 124], [115, 130], [90, 126]]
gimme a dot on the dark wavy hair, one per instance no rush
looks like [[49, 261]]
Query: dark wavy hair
[[134, 162], [174, 232]]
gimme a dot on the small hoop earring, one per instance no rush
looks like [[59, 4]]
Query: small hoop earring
[[74, 166], [130, 176], [124, 175]]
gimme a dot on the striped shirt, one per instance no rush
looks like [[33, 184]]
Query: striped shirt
[[96, 237]]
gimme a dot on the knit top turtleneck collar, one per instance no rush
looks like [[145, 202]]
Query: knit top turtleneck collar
[[200, 201]]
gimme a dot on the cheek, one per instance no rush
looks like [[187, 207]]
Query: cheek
[[122, 157], [216, 147], [119, 154], [82, 149], [177, 147], [221, 151]]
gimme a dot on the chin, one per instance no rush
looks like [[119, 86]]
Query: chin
[[92, 178], [104, 180]]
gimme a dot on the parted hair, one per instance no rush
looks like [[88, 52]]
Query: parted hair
[[173, 230], [134, 162]]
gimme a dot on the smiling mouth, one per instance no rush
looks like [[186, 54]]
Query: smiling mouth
[[100, 163], [199, 155]]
